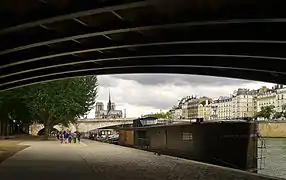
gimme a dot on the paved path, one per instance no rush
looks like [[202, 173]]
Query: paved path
[[94, 160]]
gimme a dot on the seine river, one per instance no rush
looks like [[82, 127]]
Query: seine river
[[274, 163]]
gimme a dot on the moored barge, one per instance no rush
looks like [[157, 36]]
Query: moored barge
[[230, 143]]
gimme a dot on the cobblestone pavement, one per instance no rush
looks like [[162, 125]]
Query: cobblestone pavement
[[95, 160]]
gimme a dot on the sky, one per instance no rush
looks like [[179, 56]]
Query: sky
[[149, 93]]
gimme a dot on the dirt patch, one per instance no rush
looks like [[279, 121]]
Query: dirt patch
[[27, 137], [8, 148]]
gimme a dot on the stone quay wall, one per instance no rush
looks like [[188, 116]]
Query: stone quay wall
[[272, 129]]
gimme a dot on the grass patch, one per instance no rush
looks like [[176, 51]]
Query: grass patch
[[8, 148]]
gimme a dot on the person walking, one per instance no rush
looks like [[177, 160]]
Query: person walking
[[58, 135], [78, 136], [66, 135], [74, 137], [61, 136], [70, 137]]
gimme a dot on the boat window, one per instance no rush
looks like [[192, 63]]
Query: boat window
[[186, 136]]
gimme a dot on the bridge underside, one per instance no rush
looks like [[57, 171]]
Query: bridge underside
[[45, 39]]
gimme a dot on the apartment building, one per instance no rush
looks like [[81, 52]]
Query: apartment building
[[266, 99], [280, 98], [204, 109], [224, 107], [242, 104], [193, 108]]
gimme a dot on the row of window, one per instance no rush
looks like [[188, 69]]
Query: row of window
[[186, 136], [280, 97]]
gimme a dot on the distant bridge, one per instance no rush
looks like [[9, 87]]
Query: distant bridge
[[85, 125]]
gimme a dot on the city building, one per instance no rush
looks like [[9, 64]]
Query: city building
[[184, 105], [178, 113], [111, 112], [266, 98], [99, 106], [185, 111], [223, 108], [280, 98], [242, 105], [272, 97], [204, 108], [193, 108], [214, 109]]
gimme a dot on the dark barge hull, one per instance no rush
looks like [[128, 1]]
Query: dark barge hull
[[225, 143]]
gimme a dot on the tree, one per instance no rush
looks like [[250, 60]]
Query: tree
[[282, 114], [277, 115], [265, 112], [162, 115], [61, 101], [14, 112]]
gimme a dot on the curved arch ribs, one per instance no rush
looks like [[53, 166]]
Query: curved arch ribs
[[248, 47]]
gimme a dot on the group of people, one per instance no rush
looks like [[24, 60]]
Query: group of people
[[68, 136]]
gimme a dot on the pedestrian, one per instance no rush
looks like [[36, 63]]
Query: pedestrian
[[70, 137], [61, 136], [65, 136], [78, 137], [58, 135], [74, 137]]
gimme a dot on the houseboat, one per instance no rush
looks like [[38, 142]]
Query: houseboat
[[230, 143]]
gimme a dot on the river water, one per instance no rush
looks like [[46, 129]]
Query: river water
[[274, 163]]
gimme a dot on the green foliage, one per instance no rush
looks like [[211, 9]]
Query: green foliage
[[51, 103], [268, 111], [277, 115], [12, 106], [265, 112], [62, 101], [162, 115]]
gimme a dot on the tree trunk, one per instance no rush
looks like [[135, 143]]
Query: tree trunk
[[46, 130], [5, 128], [1, 127]]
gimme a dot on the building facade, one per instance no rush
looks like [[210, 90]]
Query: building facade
[[193, 108], [178, 113], [111, 112], [204, 109], [280, 98], [265, 99], [214, 109], [242, 104], [224, 107]]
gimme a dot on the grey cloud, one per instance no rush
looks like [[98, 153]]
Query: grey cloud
[[162, 91], [179, 80], [138, 95], [107, 81], [158, 103]]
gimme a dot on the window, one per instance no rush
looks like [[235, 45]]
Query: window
[[186, 136]]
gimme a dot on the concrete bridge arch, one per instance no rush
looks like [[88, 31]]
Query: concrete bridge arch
[[34, 129], [89, 126], [82, 125]]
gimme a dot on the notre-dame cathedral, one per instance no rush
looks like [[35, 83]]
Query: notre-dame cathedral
[[111, 112]]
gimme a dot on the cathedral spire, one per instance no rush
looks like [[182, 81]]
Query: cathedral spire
[[109, 99], [109, 103]]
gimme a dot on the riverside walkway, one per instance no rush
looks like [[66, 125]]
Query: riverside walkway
[[95, 160]]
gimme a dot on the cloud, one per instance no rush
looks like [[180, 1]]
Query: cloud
[[145, 93], [179, 79]]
